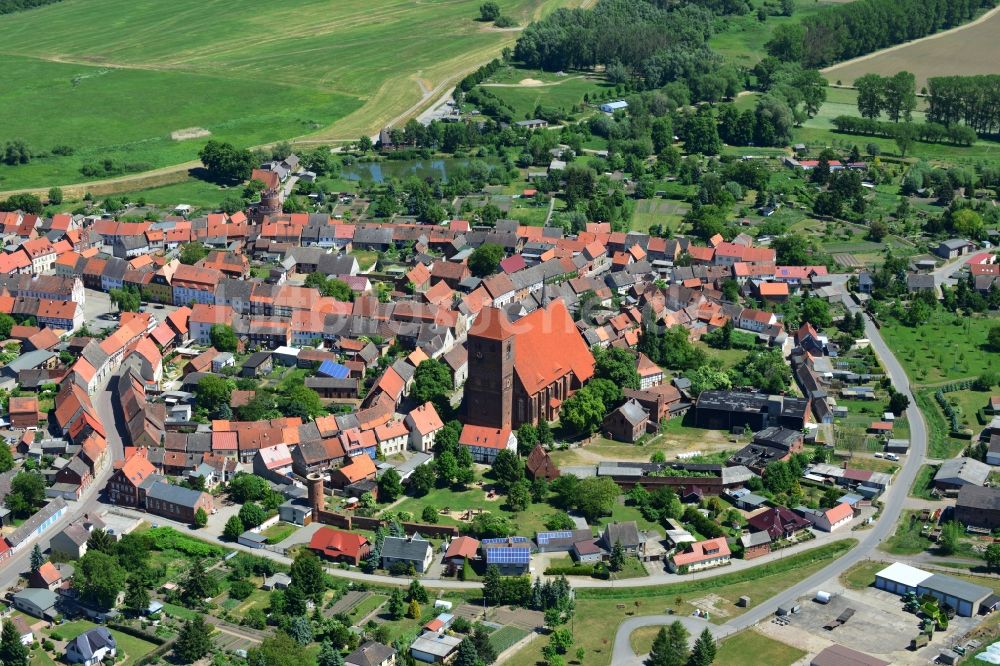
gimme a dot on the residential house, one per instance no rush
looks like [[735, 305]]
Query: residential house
[[510, 555], [340, 546], [423, 424], [827, 520], [91, 647], [627, 423], [779, 523], [371, 653], [627, 534], [37, 602], [177, 502], [360, 468], [485, 443], [412, 551], [700, 555]]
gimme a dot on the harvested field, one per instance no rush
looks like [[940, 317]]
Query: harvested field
[[969, 49]]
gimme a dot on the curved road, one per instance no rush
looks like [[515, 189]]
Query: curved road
[[869, 540]]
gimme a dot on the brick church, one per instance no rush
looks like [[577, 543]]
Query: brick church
[[521, 372]]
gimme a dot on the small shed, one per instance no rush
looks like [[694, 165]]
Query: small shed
[[252, 539]]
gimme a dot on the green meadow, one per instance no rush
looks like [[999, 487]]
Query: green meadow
[[113, 79]]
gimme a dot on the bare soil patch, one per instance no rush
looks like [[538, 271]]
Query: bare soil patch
[[189, 133]]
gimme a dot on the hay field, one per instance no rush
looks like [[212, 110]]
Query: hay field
[[114, 78], [970, 49]]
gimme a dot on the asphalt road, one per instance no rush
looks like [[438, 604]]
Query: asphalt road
[[869, 539], [89, 502]]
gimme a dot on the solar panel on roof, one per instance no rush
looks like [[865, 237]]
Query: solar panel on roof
[[517, 539], [334, 370], [508, 556], [545, 537]]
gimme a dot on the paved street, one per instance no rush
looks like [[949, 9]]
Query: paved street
[[89, 502]]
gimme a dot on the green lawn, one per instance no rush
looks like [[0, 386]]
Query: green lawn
[[922, 484], [366, 258], [667, 214], [599, 611], [129, 646], [367, 605], [945, 348], [279, 532], [503, 638], [732, 651], [563, 93], [907, 539], [862, 574], [260, 74]]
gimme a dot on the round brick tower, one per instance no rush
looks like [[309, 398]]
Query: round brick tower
[[317, 495]]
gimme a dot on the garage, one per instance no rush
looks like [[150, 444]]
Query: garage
[[900, 578], [964, 597]]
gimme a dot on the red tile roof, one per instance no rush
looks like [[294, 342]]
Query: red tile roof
[[549, 346], [336, 543]]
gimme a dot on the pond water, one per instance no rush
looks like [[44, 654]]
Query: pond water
[[379, 172]]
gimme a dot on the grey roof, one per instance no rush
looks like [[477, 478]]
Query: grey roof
[[626, 533], [28, 527], [92, 640], [166, 492], [955, 243], [979, 498], [41, 597], [967, 470], [370, 653], [439, 645], [736, 474], [29, 360], [256, 537], [406, 548], [633, 412], [955, 587], [755, 539]]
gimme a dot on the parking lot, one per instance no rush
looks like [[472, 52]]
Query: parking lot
[[99, 314], [879, 627]]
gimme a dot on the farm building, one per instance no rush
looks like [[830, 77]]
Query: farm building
[[611, 107], [964, 597], [978, 507]]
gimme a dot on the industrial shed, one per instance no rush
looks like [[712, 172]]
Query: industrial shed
[[900, 578]]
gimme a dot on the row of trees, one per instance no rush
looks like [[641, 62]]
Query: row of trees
[[973, 100], [842, 32], [905, 133]]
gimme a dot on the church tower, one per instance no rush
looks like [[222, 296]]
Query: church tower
[[489, 389]]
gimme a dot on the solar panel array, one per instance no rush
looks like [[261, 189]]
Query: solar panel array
[[508, 555], [545, 537], [516, 539], [334, 370]]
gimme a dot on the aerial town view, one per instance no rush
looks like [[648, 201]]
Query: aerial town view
[[482, 332]]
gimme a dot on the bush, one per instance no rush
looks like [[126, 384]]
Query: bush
[[575, 570], [241, 589]]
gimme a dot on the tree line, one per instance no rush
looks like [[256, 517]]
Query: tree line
[[846, 31], [11, 6], [959, 135], [973, 100]]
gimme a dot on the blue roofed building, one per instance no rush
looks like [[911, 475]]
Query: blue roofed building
[[512, 555], [335, 370]]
